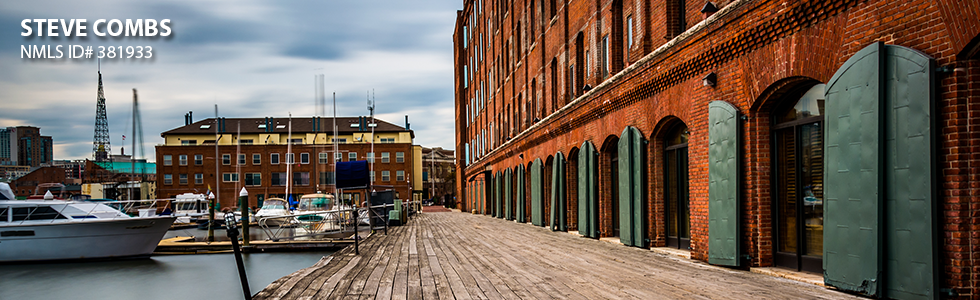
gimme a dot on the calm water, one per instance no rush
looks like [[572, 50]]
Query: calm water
[[181, 277]]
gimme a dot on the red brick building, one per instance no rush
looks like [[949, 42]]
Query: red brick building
[[820, 136], [257, 157]]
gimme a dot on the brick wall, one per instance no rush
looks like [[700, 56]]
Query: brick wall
[[761, 51]]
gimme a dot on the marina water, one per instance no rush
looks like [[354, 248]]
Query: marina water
[[184, 277]]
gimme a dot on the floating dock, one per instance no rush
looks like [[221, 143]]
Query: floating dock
[[190, 245]]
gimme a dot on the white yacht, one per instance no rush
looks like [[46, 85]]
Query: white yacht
[[48, 229], [190, 207], [274, 212]]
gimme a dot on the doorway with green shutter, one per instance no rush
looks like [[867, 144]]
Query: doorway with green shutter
[[677, 205], [609, 185], [797, 178]]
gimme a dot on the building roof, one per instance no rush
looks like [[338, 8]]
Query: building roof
[[126, 167], [345, 125]]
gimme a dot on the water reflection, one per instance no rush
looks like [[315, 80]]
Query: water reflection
[[185, 277]]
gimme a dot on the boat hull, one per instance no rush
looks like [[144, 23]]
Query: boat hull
[[95, 239]]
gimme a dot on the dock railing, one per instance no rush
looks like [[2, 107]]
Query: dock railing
[[339, 223]]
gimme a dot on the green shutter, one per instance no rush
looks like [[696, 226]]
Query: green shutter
[[521, 197], [883, 164], [558, 193], [723, 185], [501, 192], [631, 193], [508, 194], [588, 223], [910, 241], [537, 191], [495, 187], [852, 209]]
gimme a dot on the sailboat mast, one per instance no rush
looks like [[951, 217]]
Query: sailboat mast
[[289, 153], [336, 149]]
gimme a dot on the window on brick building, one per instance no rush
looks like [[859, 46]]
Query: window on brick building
[[253, 179], [554, 85], [301, 178], [274, 158], [183, 159], [370, 157], [304, 158], [168, 179], [553, 8], [399, 175], [629, 31], [225, 159], [168, 160], [327, 178], [290, 158], [241, 159], [605, 56], [324, 158], [399, 157], [229, 177], [199, 178], [385, 176], [278, 179], [198, 159], [338, 157], [520, 42], [183, 178], [675, 18], [351, 156], [256, 159], [385, 157]]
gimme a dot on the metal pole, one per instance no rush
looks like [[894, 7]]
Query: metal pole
[[243, 205], [210, 218], [233, 235]]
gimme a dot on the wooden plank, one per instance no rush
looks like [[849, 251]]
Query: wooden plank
[[426, 275], [370, 289], [457, 287], [282, 286], [388, 277], [414, 277]]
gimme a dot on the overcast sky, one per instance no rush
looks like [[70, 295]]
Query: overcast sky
[[251, 58]]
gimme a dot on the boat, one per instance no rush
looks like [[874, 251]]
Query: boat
[[190, 208], [47, 188], [54, 230], [319, 207], [274, 212]]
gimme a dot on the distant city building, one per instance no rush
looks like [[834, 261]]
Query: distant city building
[[8, 172], [438, 173], [26, 184], [257, 158], [25, 146], [5, 148]]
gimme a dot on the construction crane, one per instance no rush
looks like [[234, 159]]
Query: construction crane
[[100, 143]]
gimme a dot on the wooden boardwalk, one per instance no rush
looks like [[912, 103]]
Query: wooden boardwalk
[[453, 255]]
